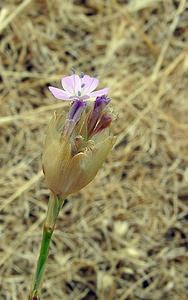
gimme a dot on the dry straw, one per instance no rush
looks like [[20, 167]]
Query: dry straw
[[125, 235]]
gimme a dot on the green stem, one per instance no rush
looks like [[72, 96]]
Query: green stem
[[54, 206]]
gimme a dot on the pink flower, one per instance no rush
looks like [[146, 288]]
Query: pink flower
[[78, 88]]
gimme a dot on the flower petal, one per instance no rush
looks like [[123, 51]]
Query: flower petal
[[90, 84], [59, 94], [99, 93], [72, 84]]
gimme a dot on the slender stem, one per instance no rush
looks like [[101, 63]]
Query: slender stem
[[54, 206]]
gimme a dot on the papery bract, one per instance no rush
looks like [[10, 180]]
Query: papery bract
[[74, 150]]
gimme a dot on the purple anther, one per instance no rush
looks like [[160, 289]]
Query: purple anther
[[82, 74]]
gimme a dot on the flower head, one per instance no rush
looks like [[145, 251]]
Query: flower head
[[76, 146], [77, 87]]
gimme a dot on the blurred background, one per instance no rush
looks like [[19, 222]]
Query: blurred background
[[124, 236]]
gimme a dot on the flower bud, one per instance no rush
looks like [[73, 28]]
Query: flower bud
[[76, 146]]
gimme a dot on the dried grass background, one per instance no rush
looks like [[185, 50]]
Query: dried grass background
[[124, 236]]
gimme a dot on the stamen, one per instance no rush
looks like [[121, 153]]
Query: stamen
[[83, 84], [79, 93], [82, 74], [73, 71]]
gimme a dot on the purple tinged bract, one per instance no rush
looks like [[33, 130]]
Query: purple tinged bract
[[95, 115], [101, 102], [76, 110]]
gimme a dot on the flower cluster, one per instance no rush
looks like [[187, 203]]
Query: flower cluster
[[79, 141]]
